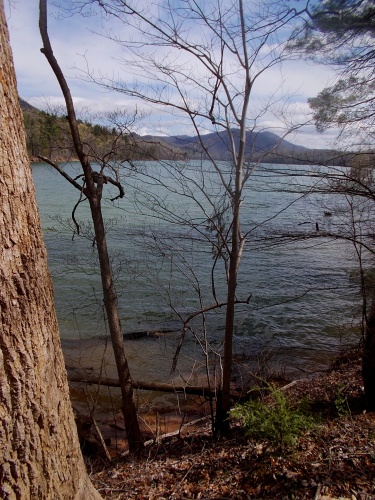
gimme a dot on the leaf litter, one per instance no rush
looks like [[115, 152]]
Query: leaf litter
[[334, 461]]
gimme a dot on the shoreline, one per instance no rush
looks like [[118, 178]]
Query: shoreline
[[336, 460], [160, 412], [150, 355]]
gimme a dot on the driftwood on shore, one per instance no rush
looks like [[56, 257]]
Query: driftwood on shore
[[149, 386], [155, 334]]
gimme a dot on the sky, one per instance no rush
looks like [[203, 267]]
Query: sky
[[77, 47]]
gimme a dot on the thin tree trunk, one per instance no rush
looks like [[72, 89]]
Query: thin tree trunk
[[223, 403], [129, 409], [368, 362], [94, 194], [40, 453], [236, 247]]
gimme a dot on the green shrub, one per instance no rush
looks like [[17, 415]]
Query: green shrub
[[341, 403], [276, 419]]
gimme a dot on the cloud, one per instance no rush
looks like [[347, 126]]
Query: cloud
[[78, 49]]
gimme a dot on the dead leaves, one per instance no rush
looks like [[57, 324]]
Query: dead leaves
[[336, 462]]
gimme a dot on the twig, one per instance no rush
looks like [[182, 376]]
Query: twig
[[178, 431], [100, 436], [101, 439], [192, 316], [318, 490]]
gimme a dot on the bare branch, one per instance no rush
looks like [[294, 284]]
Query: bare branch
[[194, 315]]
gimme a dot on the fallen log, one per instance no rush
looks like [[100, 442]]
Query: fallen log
[[155, 334], [196, 390]]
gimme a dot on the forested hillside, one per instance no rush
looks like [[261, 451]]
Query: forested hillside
[[48, 135]]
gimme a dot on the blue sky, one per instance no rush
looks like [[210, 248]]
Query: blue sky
[[77, 47]]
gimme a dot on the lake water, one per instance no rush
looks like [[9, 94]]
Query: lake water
[[303, 300]]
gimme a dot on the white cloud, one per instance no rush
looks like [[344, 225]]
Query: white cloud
[[75, 46]]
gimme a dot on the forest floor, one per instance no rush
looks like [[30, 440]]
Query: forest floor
[[334, 460]]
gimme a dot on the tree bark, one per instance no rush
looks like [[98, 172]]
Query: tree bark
[[40, 454], [368, 361]]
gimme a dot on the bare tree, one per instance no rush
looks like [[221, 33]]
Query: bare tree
[[92, 189], [203, 62], [40, 454]]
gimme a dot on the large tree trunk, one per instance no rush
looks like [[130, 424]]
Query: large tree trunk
[[40, 454], [368, 363]]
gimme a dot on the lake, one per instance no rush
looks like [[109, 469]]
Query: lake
[[304, 302]]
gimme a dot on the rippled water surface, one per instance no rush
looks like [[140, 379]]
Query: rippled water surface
[[303, 300]]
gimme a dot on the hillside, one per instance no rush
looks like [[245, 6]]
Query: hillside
[[48, 135], [25, 106]]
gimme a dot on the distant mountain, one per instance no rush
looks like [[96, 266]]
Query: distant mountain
[[218, 144], [25, 106], [45, 137], [265, 146]]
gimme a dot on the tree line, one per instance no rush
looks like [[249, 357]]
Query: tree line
[[48, 135]]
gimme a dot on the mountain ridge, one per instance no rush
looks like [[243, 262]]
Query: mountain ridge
[[218, 144], [261, 146]]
